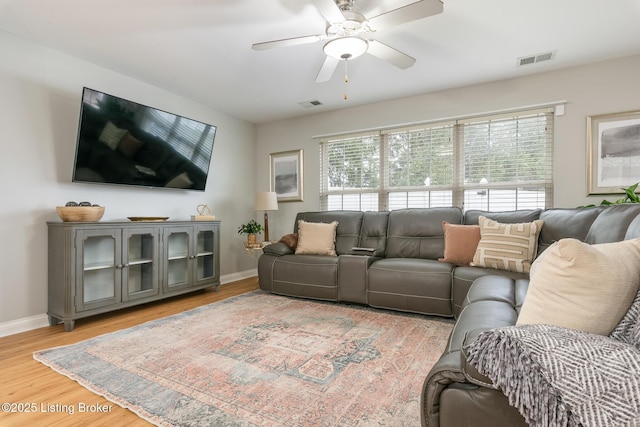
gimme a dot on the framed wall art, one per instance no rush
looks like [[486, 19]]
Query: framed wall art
[[613, 143], [286, 175]]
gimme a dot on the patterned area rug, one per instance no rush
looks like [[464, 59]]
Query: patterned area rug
[[263, 360]]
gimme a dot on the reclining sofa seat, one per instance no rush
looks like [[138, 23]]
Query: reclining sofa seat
[[311, 276], [410, 277], [402, 273], [454, 393]]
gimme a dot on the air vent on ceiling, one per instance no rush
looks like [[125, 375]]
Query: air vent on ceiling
[[532, 59], [309, 104]]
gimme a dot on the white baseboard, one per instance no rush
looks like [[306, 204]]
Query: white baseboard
[[241, 275], [42, 320], [22, 325]]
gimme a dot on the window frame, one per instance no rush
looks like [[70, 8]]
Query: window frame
[[522, 198]]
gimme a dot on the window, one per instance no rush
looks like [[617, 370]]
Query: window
[[501, 162]]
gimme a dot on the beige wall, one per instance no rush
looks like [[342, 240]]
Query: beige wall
[[40, 103], [600, 88], [40, 92]]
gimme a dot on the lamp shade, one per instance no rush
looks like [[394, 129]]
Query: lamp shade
[[266, 201]]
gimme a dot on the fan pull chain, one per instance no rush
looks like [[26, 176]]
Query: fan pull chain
[[346, 79]]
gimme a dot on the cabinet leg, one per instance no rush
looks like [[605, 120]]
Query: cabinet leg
[[53, 321], [68, 325], [217, 288]]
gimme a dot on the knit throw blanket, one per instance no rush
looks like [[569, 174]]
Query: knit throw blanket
[[561, 377]]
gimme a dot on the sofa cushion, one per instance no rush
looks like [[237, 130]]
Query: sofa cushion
[[316, 238], [564, 223], [460, 243], [373, 233], [612, 223], [472, 216], [498, 288], [307, 276], [417, 233], [580, 286], [464, 277], [511, 247], [415, 285]]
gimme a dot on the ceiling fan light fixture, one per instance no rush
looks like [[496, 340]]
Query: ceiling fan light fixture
[[346, 47]]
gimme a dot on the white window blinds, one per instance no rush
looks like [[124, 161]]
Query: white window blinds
[[350, 170], [508, 162], [419, 170], [494, 163]]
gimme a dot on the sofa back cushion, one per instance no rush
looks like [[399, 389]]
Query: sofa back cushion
[[565, 223], [508, 217], [418, 233], [347, 232], [633, 231], [374, 232], [612, 223]]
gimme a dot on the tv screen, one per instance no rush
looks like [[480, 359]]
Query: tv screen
[[123, 142]]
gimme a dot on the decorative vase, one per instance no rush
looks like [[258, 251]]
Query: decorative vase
[[251, 239]]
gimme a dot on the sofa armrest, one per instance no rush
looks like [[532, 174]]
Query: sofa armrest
[[277, 249], [445, 372], [471, 374], [451, 370], [352, 277]]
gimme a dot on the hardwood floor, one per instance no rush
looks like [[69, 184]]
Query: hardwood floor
[[42, 397]]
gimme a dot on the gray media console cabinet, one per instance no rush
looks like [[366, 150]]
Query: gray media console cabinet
[[96, 267]]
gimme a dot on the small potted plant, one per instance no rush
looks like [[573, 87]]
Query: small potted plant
[[250, 229]]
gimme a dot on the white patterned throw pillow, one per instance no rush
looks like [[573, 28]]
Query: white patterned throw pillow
[[511, 247]]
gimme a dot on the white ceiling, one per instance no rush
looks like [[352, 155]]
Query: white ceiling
[[201, 49]]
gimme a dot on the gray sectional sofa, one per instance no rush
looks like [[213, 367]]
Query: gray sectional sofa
[[399, 270]]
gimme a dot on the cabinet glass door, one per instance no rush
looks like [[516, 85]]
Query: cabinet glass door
[[177, 254], [141, 272], [98, 276], [205, 265]]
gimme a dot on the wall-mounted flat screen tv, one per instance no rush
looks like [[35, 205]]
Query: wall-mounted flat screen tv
[[123, 142]]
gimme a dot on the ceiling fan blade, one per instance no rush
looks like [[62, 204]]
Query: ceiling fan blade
[[411, 12], [329, 9], [287, 42], [391, 55], [326, 71]]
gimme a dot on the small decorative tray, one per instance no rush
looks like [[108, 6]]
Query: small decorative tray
[[148, 218]]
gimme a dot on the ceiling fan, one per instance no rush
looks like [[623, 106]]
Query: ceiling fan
[[349, 33]]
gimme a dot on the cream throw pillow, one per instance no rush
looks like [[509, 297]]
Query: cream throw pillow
[[511, 247], [580, 286], [316, 238]]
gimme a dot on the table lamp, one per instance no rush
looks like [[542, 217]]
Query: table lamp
[[266, 201]]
